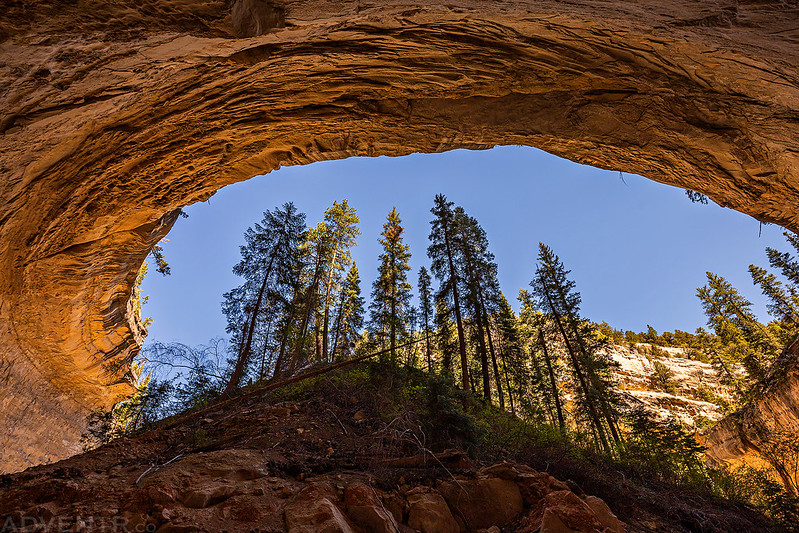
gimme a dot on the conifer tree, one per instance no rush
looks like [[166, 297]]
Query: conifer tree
[[442, 252], [267, 260], [481, 291], [391, 293], [468, 242], [426, 312], [785, 261], [448, 345], [341, 223], [349, 316], [742, 339], [288, 325], [592, 371], [314, 250], [511, 352], [784, 303], [544, 382], [784, 299]]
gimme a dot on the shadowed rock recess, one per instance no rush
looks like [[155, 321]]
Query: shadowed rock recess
[[113, 114]]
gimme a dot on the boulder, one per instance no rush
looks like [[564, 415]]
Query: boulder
[[605, 515], [483, 503], [551, 523], [567, 508], [316, 516], [428, 512], [366, 510], [535, 486], [506, 470]]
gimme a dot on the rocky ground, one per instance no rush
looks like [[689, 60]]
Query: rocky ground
[[337, 455]]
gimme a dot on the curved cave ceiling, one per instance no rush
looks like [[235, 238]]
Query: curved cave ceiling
[[114, 114]]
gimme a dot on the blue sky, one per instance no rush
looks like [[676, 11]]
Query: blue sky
[[637, 249]]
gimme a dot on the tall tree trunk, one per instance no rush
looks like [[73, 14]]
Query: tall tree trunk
[[309, 300], [327, 301], [497, 379], [284, 337], [244, 354], [393, 316], [593, 378], [427, 345], [550, 415], [457, 309], [473, 384], [508, 388], [337, 328], [552, 381], [474, 286], [262, 371], [317, 334], [592, 413], [481, 347]]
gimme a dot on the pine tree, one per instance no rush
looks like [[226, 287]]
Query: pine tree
[[349, 316], [480, 290], [267, 260], [426, 312], [784, 299], [391, 293], [448, 345], [341, 223], [511, 352], [465, 240], [442, 253], [326, 253], [592, 371], [742, 339], [288, 328], [785, 261], [784, 303], [314, 252], [543, 381]]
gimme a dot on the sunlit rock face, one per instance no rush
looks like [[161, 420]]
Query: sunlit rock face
[[115, 113], [749, 435], [692, 382]]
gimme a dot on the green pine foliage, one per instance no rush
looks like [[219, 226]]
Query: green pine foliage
[[598, 402], [663, 449], [391, 292], [349, 316], [743, 347], [267, 263], [443, 253], [426, 313]]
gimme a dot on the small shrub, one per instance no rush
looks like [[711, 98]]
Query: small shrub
[[706, 394], [201, 438], [662, 378], [663, 450]]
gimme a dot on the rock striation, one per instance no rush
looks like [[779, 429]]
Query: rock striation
[[748, 436], [113, 114], [692, 383]]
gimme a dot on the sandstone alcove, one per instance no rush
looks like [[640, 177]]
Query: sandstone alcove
[[115, 114]]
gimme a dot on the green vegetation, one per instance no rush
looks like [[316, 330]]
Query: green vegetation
[[663, 378], [391, 293], [464, 368], [662, 467]]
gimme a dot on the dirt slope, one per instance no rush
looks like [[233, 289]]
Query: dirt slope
[[349, 452]]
